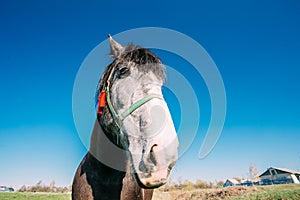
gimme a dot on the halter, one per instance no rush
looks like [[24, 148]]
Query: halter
[[104, 98]]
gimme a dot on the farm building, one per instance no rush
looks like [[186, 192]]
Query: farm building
[[279, 176], [243, 182], [271, 176], [231, 182], [6, 189]]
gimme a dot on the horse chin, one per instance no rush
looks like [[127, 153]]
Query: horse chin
[[154, 180]]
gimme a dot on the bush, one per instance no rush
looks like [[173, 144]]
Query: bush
[[39, 187], [188, 185]]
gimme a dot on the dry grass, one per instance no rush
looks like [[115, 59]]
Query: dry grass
[[291, 191], [214, 194]]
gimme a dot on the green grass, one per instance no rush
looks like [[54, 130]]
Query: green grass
[[33, 196], [272, 195], [274, 192]]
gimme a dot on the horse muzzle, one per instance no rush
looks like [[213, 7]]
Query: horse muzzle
[[154, 169]]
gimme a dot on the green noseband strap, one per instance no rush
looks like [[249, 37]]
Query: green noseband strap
[[131, 109], [138, 104]]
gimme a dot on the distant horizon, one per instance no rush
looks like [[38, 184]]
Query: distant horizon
[[171, 181]]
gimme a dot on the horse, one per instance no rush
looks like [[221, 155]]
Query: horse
[[134, 144]]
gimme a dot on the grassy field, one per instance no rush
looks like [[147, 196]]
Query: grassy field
[[272, 192], [33, 196]]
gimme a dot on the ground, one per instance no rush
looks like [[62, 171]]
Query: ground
[[290, 192], [279, 192]]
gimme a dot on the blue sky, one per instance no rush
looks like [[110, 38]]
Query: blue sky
[[255, 45]]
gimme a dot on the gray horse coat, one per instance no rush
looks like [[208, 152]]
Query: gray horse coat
[[134, 143]]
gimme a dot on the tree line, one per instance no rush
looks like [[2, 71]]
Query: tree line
[[41, 187], [188, 185]]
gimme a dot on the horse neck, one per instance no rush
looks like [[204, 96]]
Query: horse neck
[[104, 153], [107, 152]]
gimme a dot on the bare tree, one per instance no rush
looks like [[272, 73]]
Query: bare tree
[[23, 188], [52, 186], [253, 172]]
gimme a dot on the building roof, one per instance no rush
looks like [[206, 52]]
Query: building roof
[[280, 169], [232, 180]]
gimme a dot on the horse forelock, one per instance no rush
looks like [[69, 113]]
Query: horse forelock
[[143, 58]]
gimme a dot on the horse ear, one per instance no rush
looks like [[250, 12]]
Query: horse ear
[[115, 48]]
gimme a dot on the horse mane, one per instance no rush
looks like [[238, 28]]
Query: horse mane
[[143, 58]]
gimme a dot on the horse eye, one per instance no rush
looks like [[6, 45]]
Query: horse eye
[[123, 72]]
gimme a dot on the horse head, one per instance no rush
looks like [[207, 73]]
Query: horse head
[[134, 115]]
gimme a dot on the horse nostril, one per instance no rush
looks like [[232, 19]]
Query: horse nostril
[[153, 151], [153, 148]]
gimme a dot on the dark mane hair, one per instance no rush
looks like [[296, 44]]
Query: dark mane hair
[[143, 58]]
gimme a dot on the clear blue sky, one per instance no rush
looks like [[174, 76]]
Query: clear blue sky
[[255, 45]]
